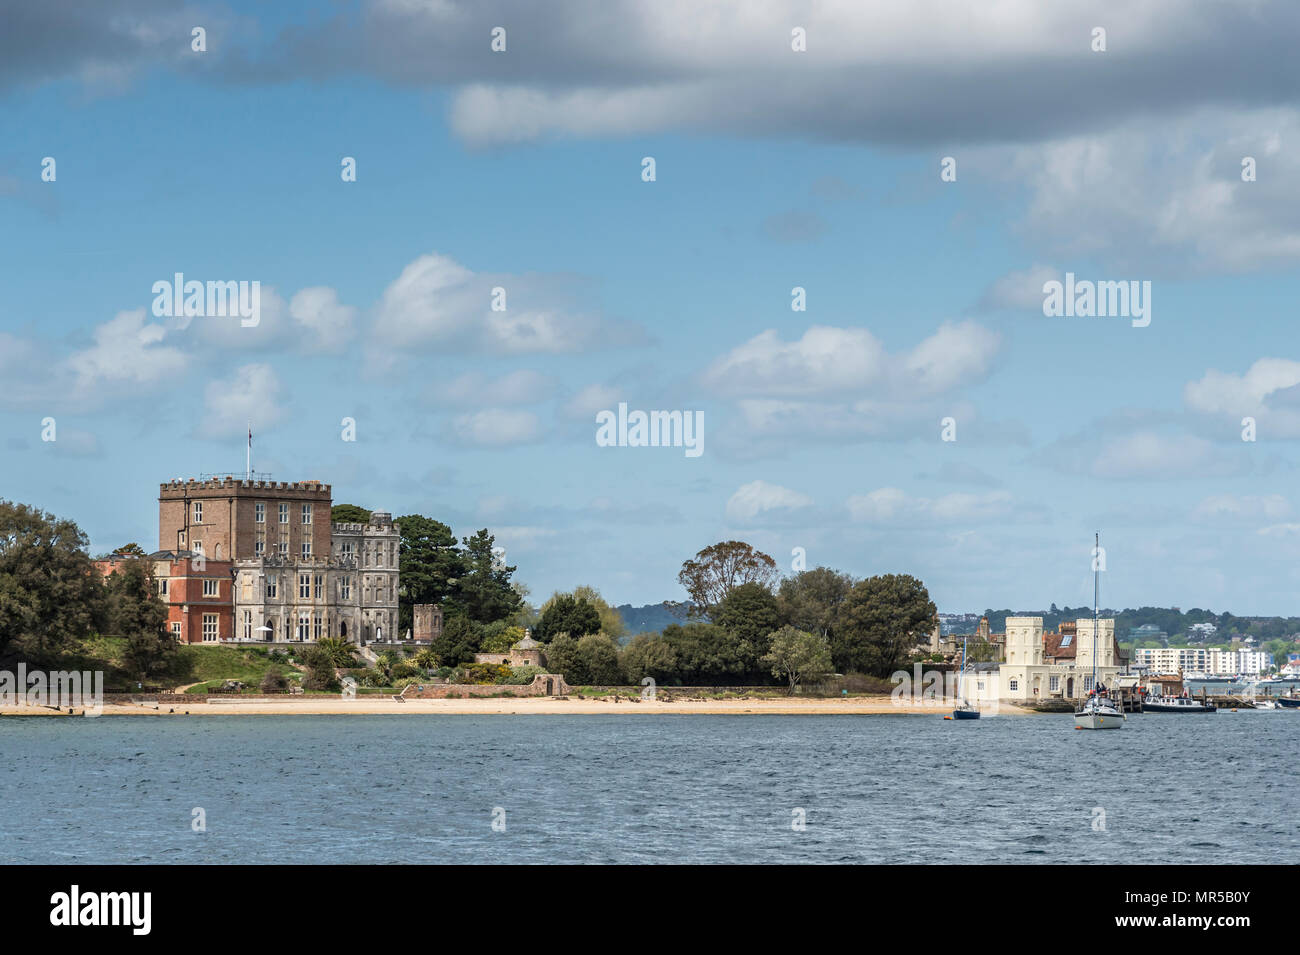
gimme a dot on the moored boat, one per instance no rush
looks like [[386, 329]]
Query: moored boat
[[1175, 704], [1099, 712]]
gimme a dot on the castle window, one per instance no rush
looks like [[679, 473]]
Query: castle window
[[259, 509], [284, 513], [162, 587], [259, 546], [320, 586], [283, 547], [304, 586], [198, 512], [1054, 683], [248, 625], [306, 549], [209, 628], [304, 627], [210, 588], [315, 627], [176, 629], [347, 549], [272, 585], [1013, 685], [345, 586], [306, 513]]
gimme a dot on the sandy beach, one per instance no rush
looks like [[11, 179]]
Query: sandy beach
[[875, 705]]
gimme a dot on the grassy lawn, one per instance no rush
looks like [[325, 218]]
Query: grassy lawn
[[208, 665]]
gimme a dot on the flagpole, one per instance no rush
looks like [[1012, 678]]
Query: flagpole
[[248, 467]]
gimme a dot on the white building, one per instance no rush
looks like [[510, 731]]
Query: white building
[[1058, 665], [1210, 661]]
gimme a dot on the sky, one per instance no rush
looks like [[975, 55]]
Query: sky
[[921, 415]]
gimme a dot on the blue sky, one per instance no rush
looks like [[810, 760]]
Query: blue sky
[[774, 169]]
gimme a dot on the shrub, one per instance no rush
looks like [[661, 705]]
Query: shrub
[[273, 681]]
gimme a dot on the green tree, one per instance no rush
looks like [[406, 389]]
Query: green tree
[[706, 654], [430, 564], [320, 670], [130, 550], [50, 594], [597, 657], [483, 590], [458, 642], [136, 612], [499, 637], [799, 656], [567, 614], [610, 620], [810, 599], [749, 615], [879, 621], [349, 514], [649, 655], [562, 658], [717, 570]]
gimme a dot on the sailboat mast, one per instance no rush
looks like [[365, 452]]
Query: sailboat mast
[[1096, 586]]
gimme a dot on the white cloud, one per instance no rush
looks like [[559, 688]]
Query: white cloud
[[1269, 391], [435, 301], [327, 322], [496, 427], [758, 498], [1239, 507], [891, 505], [1154, 454], [1020, 290], [591, 399], [128, 351], [249, 396], [519, 387]]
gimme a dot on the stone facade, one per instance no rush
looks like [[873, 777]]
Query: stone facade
[[351, 593], [526, 653], [427, 621]]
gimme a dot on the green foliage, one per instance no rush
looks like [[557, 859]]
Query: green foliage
[[136, 613], [349, 514], [749, 615], [798, 656], [483, 590], [273, 681], [810, 599], [591, 659], [717, 570], [50, 594], [522, 676], [320, 671], [610, 620], [706, 654], [429, 564], [499, 636], [484, 673], [338, 651], [567, 614], [648, 655], [878, 622], [458, 642]]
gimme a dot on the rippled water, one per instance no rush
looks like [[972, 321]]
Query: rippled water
[[662, 788]]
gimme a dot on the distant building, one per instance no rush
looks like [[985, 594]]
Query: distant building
[[1208, 661]]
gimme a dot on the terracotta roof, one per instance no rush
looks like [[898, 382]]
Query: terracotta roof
[[1052, 646]]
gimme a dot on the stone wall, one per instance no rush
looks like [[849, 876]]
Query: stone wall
[[544, 684]]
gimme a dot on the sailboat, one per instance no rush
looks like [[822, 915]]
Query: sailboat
[[965, 710], [1099, 712]]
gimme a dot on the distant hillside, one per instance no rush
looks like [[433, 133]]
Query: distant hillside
[[652, 618]]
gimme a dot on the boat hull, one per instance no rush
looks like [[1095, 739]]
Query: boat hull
[[1177, 708], [1289, 702], [1098, 721], [965, 714]]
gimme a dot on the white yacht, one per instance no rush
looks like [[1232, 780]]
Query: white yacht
[[1099, 712]]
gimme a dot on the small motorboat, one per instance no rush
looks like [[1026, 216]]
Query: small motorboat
[[1176, 704], [1290, 702]]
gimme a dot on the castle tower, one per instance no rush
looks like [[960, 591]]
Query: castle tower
[[1024, 640]]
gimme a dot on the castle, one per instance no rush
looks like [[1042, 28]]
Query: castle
[[290, 573]]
